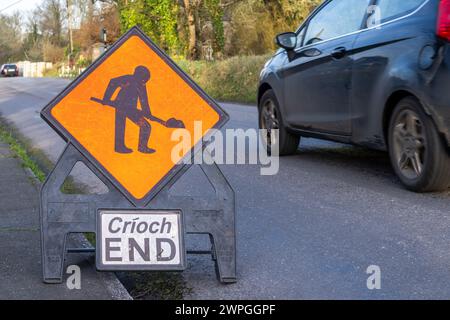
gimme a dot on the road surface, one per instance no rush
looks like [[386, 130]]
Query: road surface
[[312, 230]]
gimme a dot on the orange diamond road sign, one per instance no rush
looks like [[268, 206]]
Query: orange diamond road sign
[[120, 113]]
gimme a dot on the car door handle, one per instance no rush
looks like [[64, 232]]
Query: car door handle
[[310, 53], [339, 53]]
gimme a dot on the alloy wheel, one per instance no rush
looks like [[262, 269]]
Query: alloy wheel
[[270, 122], [409, 144]]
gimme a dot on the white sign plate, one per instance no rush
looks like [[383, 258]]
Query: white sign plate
[[140, 240]]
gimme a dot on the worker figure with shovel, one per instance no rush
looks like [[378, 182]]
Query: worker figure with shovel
[[133, 90]]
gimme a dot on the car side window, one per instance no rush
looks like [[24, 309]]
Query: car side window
[[300, 36], [337, 18], [392, 9]]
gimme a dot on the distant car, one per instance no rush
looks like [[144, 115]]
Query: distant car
[[374, 73], [9, 70]]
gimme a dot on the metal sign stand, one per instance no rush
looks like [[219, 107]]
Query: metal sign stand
[[62, 214]]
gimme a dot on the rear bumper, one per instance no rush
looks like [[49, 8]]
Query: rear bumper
[[436, 98], [9, 74]]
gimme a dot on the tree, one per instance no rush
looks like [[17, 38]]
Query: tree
[[32, 43], [106, 16], [51, 18], [191, 17], [10, 38], [215, 14], [203, 20], [197, 29]]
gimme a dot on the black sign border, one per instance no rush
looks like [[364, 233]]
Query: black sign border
[[172, 174]]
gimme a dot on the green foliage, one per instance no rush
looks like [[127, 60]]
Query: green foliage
[[83, 62], [157, 18], [243, 27], [215, 12], [233, 79], [188, 27]]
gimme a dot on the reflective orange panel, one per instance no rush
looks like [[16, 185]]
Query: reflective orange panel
[[92, 124]]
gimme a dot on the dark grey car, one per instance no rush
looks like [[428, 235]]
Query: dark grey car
[[9, 70], [369, 72]]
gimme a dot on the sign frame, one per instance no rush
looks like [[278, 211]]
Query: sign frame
[[63, 214], [171, 174], [141, 267]]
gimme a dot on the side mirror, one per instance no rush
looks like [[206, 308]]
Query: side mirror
[[287, 40]]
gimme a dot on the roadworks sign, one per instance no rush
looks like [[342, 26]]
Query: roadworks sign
[[121, 112]]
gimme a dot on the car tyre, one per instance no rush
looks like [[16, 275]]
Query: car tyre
[[270, 119], [417, 152]]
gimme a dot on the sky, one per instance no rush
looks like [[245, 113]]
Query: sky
[[23, 6]]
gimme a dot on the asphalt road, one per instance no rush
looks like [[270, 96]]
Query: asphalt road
[[308, 232]]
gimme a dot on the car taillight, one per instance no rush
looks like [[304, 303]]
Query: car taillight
[[443, 25]]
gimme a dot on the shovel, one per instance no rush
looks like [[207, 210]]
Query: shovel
[[171, 123]]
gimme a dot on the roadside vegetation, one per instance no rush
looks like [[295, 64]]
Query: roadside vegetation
[[19, 151], [234, 79], [155, 285], [222, 44]]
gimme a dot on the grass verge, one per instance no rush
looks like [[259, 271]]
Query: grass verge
[[20, 152], [154, 285]]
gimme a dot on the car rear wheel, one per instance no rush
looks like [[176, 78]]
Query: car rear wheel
[[270, 119], [418, 154]]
